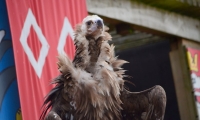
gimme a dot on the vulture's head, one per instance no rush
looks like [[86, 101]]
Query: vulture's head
[[92, 26]]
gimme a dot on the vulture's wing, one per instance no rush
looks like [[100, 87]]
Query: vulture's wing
[[145, 105], [57, 104]]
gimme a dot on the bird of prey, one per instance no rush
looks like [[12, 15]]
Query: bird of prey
[[91, 87]]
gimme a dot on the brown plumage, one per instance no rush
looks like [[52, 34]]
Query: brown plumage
[[91, 87], [145, 105]]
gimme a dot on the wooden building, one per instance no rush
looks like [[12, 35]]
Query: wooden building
[[154, 36]]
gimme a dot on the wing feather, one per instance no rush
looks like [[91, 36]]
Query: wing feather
[[146, 105]]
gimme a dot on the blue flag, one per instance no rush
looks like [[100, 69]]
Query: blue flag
[[9, 97]]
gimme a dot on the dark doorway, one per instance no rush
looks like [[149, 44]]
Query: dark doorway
[[150, 65]]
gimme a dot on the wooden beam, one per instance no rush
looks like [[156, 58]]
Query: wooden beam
[[147, 17]]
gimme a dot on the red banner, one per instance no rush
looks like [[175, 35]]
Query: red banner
[[40, 30], [194, 60], [193, 56]]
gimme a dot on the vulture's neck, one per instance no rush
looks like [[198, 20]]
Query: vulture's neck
[[94, 49], [87, 53]]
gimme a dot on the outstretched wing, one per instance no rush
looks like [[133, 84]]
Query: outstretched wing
[[146, 105]]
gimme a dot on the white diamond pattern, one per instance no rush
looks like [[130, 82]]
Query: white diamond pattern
[[37, 65], [66, 29]]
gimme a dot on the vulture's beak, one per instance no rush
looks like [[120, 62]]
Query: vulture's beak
[[99, 24]]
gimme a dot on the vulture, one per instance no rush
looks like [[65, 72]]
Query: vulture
[[91, 87]]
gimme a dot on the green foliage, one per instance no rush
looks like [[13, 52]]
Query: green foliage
[[182, 8]]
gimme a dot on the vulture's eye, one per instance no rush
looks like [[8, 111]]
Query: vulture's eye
[[89, 22]]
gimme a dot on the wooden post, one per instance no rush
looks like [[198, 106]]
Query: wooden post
[[182, 81]]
